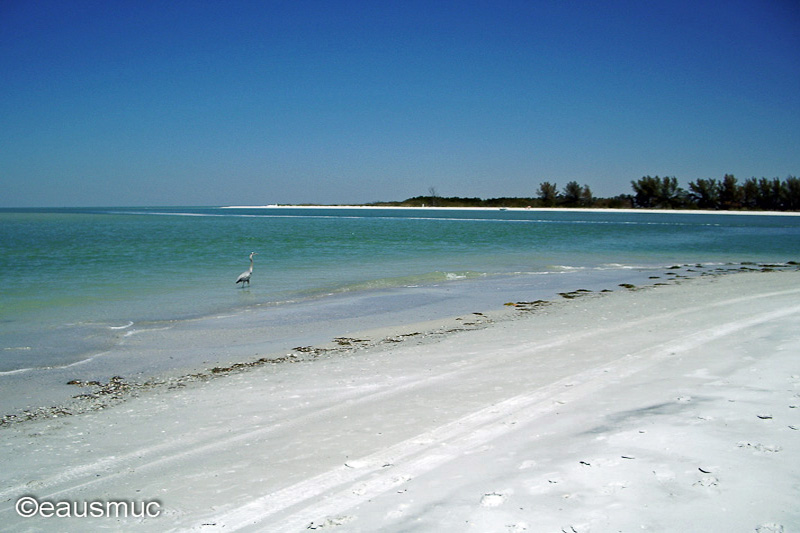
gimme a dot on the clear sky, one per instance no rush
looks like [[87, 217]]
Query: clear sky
[[216, 103]]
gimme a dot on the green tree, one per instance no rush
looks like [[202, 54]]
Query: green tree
[[645, 191], [434, 198], [548, 194], [658, 192], [587, 200], [572, 194], [769, 194], [730, 194], [705, 193], [791, 193], [750, 194]]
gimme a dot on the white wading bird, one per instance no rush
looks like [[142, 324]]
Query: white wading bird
[[244, 277]]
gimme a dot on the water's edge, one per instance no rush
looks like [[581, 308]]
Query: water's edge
[[434, 312]]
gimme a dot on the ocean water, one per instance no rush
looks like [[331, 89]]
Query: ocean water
[[75, 283]]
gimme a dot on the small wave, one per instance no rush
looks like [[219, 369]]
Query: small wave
[[126, 326], [15, 348], [49, 367], [16, 371], [621, 266], [144, 330], [567, 268], [414, 280]]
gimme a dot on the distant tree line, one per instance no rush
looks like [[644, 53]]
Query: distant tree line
[[648, 192], [755, 194]]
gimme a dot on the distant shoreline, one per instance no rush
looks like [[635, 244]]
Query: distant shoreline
[[524, 209]]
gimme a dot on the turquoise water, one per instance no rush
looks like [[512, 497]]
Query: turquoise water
[[72, 279]]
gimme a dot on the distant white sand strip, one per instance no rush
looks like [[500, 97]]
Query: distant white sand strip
[[529, 209]]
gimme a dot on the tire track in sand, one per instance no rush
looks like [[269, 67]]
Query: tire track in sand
[[344, 487]]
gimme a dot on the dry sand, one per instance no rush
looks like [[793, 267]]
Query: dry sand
[[675, 408]]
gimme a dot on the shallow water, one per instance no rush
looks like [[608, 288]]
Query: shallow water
[[79, 283]]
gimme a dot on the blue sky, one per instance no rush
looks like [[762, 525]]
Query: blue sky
[[219, 103]]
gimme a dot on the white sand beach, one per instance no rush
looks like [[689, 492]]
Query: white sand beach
[[671, 408]]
